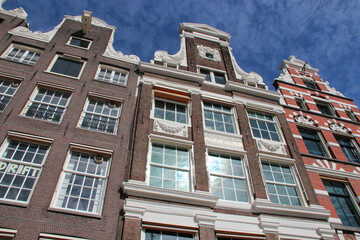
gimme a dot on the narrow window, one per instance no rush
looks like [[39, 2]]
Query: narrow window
[[324, 109], [79, 42], [219, 117], [280, 184], [227, 178], [7, 91], [20, 167], [170, 111], [170, 167], [101, 115], [310, 84], [301, 104], [351, 115], [112, 75], [263, 126], [83, 182], [349, 149], [343, 203], [313, 142], [48, 104]]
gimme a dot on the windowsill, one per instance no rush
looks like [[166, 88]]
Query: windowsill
[[345, 228], [74, 212], [140, 189], [67, 44], [218, 85], [265, 206], [62, 75], [42, 120], [14, 203], [120, 85], [25, 64], [96, 131], [226, 204]]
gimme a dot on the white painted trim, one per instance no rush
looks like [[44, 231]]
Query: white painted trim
[[230, 85], [297, 136], [277, 159], [166, 139], [335, 220], [30, 137], [328, 144], [321, 192], [140, 189], [259, 105], [204, 29], [49, 236]]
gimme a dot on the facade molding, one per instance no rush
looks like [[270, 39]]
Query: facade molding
[[17, 12]]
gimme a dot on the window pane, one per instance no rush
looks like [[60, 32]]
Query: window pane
[[67, 67]]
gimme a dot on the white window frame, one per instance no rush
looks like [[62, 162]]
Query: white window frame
[[246, 177], [321, 138], [70, 58], [14, 165], [157, 139], [15, 84], [106, 100], [212, 76], [168, 229], [21, 47], [79, 38], [327, 104], [113, 71], [353, 142], [275, 122], [174, 102], [291, 164], [32, 100], [233, 115], [310, 80], [300, 101], [92, 151], [351, 115]]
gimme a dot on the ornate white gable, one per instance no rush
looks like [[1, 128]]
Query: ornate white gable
[[205, 29], [178, 58], [17, 12]]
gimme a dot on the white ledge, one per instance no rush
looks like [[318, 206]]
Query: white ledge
[[315, 212], [140, 189], [171, 72], [239, 87]]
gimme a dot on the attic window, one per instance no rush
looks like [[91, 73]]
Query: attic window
[[79, 42], [209, 55]]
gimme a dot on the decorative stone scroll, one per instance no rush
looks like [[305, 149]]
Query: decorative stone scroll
[[170, 128], [305, 120]]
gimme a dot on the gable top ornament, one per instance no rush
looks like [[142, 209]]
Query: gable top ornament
[[17, 12], [293, 61], [204, 29]]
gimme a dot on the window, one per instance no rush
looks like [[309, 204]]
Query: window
[[280, 184], [263, 126], [165, 235], [349, 149], [310, 84], [324, 108], [343, 203], [213, 76], [300, 102], [112, 75], [101, 115], [48, 104], [170, 167], [83, 181], [79, 42], [20, 168], [66, 65], [313, 142], [170, 111], [23, 54], [227, 178], [7, 91], [351, 115], [219, 117]]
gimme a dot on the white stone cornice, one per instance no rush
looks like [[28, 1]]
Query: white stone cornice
[[204, 29], [235, 86], [134, 212], [207, 220], [171, 72], [17, 12]]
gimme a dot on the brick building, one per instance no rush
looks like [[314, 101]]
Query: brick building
[[325, 124], [64, 136], [213, 156]]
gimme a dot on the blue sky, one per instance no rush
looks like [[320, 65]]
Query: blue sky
[[326, 33]]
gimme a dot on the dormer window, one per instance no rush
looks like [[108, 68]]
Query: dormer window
[[79, 42], [311, 84], [213, 76]]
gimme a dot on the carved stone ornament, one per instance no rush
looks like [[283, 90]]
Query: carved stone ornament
[[209, 53], [273, 147], [170, 128], [37, 35], [332, 89], [223, 141], [285, 76], [305, 120], [242, 75], [178, 58], [18, 12], [339, 128]]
